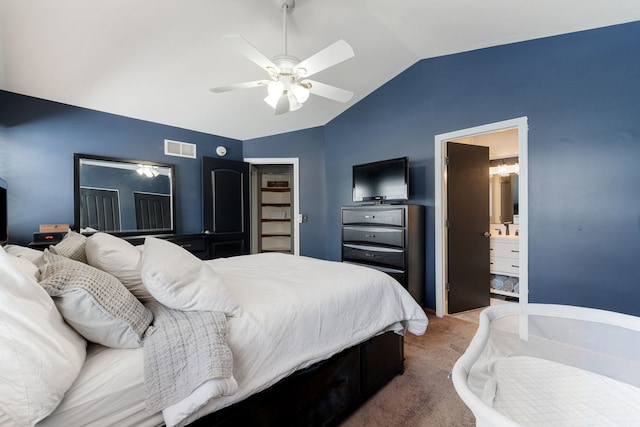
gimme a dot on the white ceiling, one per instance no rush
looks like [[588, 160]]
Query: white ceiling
[[155, 60]]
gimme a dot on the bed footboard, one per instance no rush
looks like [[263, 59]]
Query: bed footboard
[[323, 394]]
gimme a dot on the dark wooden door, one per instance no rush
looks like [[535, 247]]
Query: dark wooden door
[[153, 211], [468, 232], [226, 212], [100, 209]]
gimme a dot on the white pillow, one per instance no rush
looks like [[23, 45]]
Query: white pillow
[[119, 258], [41, 355], [27, 268], [180, 280], [33, 255], [94, 302]]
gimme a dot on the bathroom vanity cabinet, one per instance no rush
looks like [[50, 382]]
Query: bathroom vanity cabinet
[[505, 259]]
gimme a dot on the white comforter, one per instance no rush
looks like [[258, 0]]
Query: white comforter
[[297, 311]]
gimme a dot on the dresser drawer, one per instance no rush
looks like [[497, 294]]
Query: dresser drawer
[[374, 235], [505, 249], [373, 255], [505, 266], [399, 275], [393, 217]]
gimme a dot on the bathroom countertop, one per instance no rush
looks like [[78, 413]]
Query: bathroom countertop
[[503, 236]]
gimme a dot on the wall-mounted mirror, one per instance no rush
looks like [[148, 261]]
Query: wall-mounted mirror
[[122, 196], [503, 191]]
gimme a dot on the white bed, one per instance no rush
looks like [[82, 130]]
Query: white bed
[[294, 311]]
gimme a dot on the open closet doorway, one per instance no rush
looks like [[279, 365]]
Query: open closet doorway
[[275, 225], [520, 127]]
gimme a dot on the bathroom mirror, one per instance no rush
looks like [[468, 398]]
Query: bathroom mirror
[[123, 197], [503, 191]]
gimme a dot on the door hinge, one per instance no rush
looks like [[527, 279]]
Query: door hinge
[[446, 160], [447, 286], [446, 223]]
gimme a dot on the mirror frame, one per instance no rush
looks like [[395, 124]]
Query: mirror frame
[[76, 193]]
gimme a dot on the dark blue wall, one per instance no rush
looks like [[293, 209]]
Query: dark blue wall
[[581, 94], [308, 146], [40, 137]]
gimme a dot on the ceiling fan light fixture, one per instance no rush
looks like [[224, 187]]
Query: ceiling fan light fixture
[[285, 86], [300, 92], [275, 88], [147, 171], [294, 103], [272, 101]]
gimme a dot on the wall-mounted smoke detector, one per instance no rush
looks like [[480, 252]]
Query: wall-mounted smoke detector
[[180, 149]]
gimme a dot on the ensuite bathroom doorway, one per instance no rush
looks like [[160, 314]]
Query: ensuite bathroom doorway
[[520, 127]]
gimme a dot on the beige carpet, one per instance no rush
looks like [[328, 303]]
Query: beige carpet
[[423, 395]]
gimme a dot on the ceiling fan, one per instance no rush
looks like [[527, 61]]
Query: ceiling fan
[[289, 86]]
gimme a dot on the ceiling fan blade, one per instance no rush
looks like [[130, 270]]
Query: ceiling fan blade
[[327, 57], [328, 91], [245, 85], [247, 49], [283, 105]]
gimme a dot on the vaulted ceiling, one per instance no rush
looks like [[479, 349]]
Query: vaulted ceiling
[[155, 60]]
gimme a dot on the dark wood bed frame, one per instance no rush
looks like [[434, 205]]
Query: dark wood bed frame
[[323, 394]]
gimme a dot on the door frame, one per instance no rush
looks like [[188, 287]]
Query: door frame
[[295, 215], [440, 198]]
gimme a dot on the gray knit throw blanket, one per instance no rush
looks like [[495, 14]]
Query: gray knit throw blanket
[[182, 350]]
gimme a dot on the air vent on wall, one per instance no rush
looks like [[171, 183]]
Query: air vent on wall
[[180, 149]]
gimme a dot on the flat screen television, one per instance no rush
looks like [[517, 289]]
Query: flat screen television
[[382, 181], [3, 212]]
